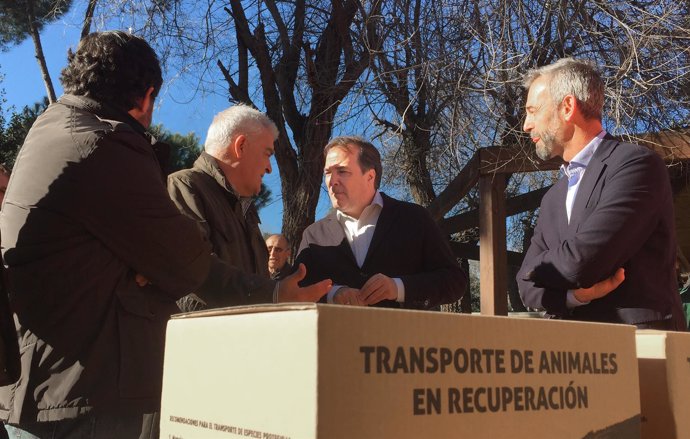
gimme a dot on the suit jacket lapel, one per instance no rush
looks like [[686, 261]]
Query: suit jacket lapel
[[561, 214], [383, 226], [595, 170]]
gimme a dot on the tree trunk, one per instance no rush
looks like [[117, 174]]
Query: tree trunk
[[39, 51], [88, 18], [415, 147]]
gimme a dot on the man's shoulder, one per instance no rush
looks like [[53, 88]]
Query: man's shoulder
[[191, 177], [326, 231], [81, 123], [622, 151], [321, 224], [82, 130], [83, 118], [407, 208]]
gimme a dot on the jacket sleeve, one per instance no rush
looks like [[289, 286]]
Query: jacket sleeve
[[440, 280], [539, 298], [616, 226], [189, 203], [130, 213]]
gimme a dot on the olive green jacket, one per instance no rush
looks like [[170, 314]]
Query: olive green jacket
[[203, 194]]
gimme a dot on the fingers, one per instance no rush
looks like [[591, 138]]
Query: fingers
[[299, 274], [602, 288], [313, 293], [619, 276], [141, 280], [612, 282], [292, 280], [379, 287], [348, 296]]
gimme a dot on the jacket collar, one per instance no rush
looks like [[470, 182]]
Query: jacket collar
[[103, 110], [208, 165], [108, 112]]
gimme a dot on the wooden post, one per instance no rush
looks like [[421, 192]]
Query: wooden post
[[492, 245]]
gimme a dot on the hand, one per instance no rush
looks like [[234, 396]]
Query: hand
[[348, 296], [601, 289], [289, 291], [141, 280], [379, 287]]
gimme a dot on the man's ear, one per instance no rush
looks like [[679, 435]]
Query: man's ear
[[569, 107], [238, 145], [143, 108], [144, 103]]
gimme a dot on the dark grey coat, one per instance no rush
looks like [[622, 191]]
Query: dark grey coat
[[85, 211]]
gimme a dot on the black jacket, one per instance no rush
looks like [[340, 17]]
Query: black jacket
[[406, 243]]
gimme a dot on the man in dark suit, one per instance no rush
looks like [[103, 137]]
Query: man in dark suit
[[604, 245], [377, 250]]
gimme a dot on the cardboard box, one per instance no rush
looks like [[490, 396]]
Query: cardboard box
[[337, 372], [664, 363]]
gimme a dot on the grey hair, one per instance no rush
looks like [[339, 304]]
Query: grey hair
[[570, 76], [233, 121]]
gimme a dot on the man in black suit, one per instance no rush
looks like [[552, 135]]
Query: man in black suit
[[604, 245], [377, 250]]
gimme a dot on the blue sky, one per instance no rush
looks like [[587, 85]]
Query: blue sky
[[178, 108]]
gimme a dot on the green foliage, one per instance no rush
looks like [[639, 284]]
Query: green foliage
[[14, 128], [264, 197], [14, 21], [184, 149]]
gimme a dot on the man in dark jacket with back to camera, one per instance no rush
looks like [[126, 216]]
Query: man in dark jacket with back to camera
[[86, 211]]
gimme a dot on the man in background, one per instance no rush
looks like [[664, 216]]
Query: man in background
[[278, 254], [377, 250], [604, 246]]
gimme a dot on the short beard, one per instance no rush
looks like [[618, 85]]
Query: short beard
[[548, 140]]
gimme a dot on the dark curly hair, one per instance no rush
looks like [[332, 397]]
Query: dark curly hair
[[112, 67]]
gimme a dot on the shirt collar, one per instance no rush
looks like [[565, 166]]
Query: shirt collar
[[581, 160]]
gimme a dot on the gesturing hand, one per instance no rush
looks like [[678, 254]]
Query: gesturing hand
[[289, 291]]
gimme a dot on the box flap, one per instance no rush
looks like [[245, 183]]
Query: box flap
[[650, 343], [247, 309]]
